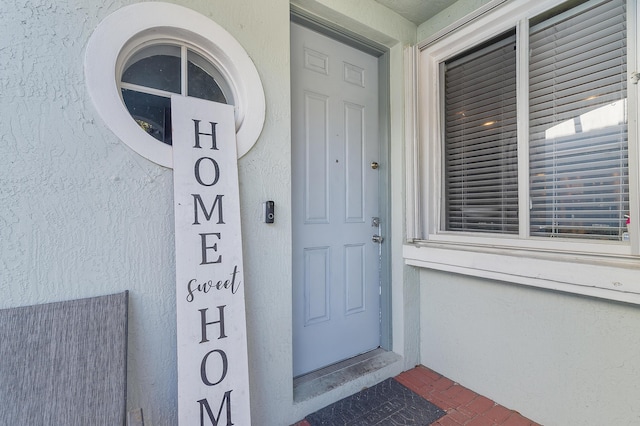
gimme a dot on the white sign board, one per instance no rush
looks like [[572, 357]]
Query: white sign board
[[213, 377]]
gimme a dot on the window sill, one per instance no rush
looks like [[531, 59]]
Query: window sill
[[607, 277]]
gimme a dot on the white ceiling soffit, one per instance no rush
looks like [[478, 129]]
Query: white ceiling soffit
[[417, 11]]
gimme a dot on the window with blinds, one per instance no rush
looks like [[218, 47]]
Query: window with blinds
[[480, 144], [578, 160]]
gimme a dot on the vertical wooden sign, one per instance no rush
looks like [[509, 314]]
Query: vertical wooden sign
[[213, 377]]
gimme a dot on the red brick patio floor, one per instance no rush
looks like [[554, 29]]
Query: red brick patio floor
[[463, 406]]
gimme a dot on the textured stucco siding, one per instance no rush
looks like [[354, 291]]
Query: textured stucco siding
[[83, 215], [556, 358]]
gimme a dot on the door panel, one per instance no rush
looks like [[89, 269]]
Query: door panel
[[354, 261], [354, 183], [316, 173], [316, 285], [336, 288]]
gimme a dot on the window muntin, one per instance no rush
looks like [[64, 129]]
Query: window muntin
[[153, 73], [588, 196]]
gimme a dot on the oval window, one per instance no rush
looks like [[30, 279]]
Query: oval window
[[143, 53]]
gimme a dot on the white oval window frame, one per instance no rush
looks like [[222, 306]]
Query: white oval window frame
[[139, 23]]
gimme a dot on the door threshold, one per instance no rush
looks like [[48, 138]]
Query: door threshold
[[320, 381]]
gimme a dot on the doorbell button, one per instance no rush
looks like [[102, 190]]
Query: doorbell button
[[269, 212]]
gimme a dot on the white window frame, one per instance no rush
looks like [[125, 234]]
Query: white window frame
[[131, 27], [604, 269]]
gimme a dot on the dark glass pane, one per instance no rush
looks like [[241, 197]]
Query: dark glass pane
[[151, 112], [158, 72], [480, 152], [578, 134], [201, 84]]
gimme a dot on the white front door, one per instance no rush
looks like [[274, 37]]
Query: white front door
[[336, 264]]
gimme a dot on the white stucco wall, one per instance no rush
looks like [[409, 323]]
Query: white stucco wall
[[556, 358], [559, 359], [82, 215]]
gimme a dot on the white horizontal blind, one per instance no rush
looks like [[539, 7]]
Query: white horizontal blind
[[480, 145], [578, 123]]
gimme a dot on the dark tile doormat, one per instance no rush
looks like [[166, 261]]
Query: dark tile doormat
[[388, 403]]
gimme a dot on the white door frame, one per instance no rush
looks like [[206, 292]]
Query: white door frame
[[329, 29]]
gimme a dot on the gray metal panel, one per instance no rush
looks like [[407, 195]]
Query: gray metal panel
[[64, 363]]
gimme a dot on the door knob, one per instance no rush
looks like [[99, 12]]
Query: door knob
[[374, 165], [377, 239]]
